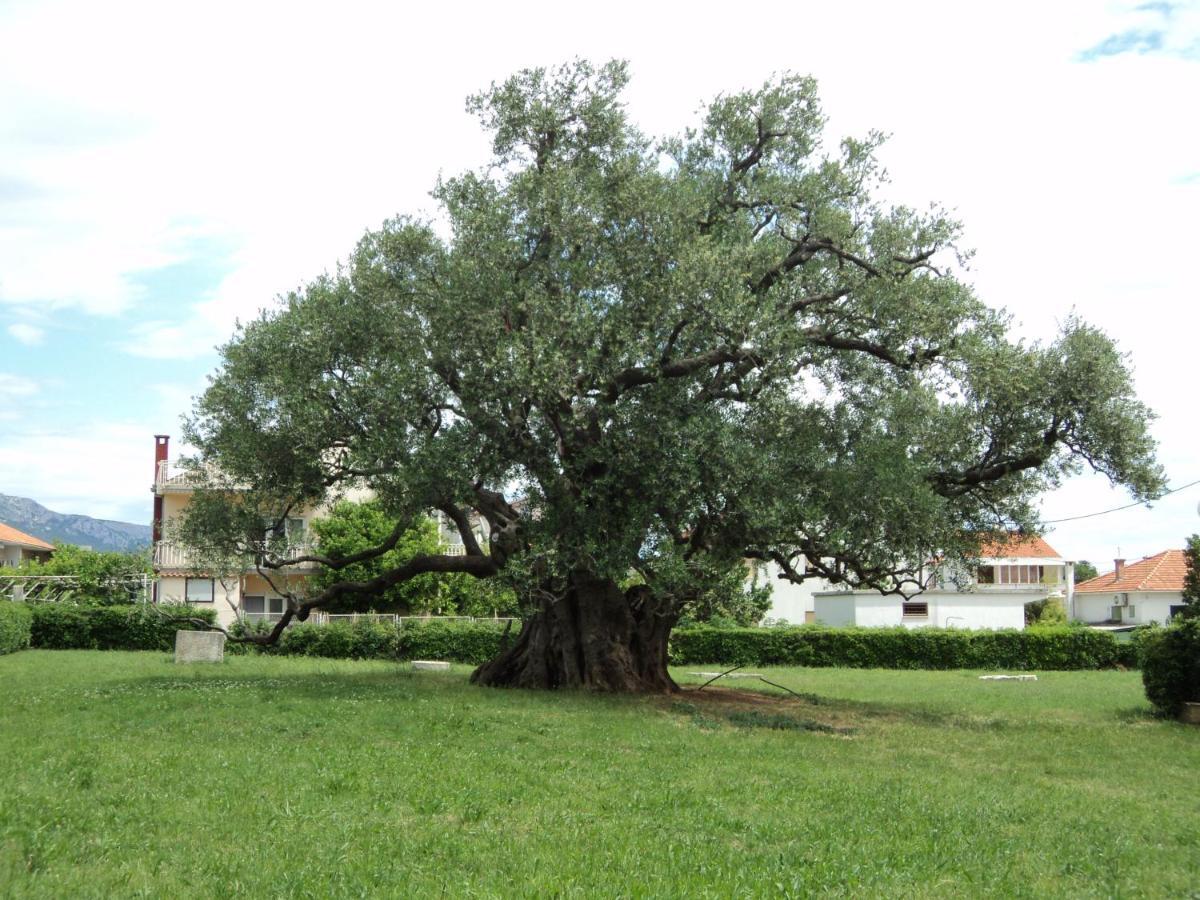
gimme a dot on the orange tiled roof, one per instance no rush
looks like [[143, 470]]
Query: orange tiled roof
[[9, 535], [1017, 545], [1161, 572]]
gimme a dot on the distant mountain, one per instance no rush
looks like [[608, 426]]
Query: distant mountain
[[59, 528]]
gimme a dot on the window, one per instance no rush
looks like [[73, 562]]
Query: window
[[1175, 610], [911, 610], [199, 590], [987, 575], [295, 530], [1131, 612], [269, 609]]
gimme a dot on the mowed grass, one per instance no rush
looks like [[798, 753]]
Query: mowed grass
[[122, 774]]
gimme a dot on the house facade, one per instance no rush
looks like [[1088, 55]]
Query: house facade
[[248, 594], [17, 547], [1011, 573], [1138, 593]]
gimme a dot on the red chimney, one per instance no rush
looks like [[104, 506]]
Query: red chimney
[[1118, 565], [160, 462]]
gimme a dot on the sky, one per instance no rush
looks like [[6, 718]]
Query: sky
[[168, 169]]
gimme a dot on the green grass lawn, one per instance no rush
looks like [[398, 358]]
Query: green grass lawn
[[122, 774]]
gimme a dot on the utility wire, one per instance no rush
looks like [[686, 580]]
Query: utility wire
[[1105, 512]]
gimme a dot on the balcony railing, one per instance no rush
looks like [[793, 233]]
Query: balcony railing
[[172, 476], [169, 555]]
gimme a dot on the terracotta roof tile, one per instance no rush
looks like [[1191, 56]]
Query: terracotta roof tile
[[1017, 545], [1161, 572], [10, 535]]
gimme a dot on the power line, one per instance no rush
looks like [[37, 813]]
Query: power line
[[1105, 512]]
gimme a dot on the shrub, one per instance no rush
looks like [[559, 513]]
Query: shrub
[[1170, 659], [66, 626], [15, 621], [464, 642], [897, 648]]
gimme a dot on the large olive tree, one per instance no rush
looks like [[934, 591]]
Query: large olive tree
[[643, 362]]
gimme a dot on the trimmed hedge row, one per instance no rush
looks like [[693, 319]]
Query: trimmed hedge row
[[465, 642], [66, 626], [15, 621], [901, 648]]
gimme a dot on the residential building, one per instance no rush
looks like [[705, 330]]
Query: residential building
[[17, 547], [248, 593], [1149, 590], [1012, 573]]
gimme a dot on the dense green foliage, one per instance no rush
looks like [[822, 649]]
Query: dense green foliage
[[1191, 580], [900, 648], [462, 642], [1058, 648], [69, 626], [124, 775], [1050, 611], [674, 354], [352, 527], [101, 577], [1170, 660], [1084, 571], [15, 619]]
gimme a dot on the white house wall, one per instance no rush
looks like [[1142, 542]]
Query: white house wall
[[790, 602], [947, 609]]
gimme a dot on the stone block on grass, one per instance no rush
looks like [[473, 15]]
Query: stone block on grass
[[199, 646]]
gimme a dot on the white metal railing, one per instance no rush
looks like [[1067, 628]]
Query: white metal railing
[[169, 555], [172, 475]]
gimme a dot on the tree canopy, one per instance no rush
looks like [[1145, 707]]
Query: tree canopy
[[658, 357]]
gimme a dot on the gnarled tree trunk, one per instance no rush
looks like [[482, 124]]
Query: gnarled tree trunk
[[596, 637]]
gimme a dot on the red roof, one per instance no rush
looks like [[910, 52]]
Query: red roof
[[1161, 572], [1017, 545], [9, 535]]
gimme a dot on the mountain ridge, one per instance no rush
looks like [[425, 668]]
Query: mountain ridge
[[31, 517]]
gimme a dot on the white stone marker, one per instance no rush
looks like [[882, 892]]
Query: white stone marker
[[199, 646], [1008, 678], [429, 665]]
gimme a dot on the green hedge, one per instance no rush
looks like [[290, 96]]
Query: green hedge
[[15, 619], [900, 648], [1171, 665], [885, 648], [465, 642], [67, 626]]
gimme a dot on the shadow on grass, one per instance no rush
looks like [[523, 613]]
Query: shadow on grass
[[746, 706]]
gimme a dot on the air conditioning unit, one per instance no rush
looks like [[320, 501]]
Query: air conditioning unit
[[1121, 600]]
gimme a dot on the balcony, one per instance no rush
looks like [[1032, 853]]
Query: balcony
[[172, 477], [169, 555]]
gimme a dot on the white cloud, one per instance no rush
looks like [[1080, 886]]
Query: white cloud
[[13, 387], [27, 334], [96, 469]]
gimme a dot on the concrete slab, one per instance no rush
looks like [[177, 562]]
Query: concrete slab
[[1008, 678], [730, 675], [199, 646], [429, 665]]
